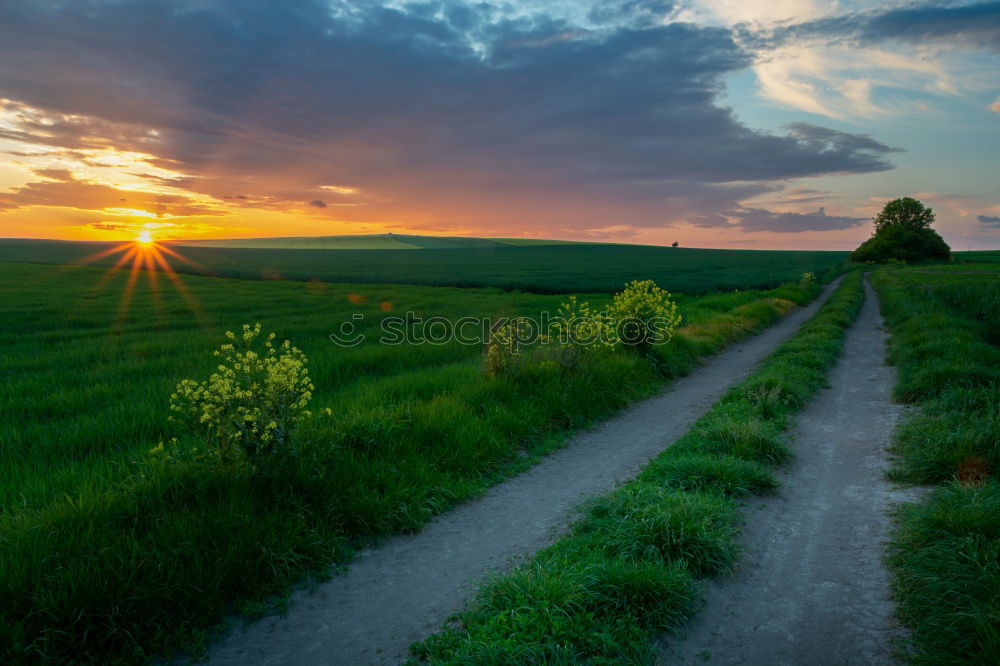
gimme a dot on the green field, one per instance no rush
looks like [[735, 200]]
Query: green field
[[978, 256], [113, 553], [554, 269]]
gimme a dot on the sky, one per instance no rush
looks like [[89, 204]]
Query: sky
[[714, 123]]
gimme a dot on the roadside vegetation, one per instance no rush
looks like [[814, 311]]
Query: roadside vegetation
[[945, 553], [118, 542], [627, 570]]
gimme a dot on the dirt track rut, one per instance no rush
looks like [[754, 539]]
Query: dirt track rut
[[812, 587]]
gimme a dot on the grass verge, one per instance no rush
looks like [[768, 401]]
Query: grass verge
[[626, 571], [945, 551]]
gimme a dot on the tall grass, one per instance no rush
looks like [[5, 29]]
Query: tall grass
[[677, 521], [945, 553], [110, 554]]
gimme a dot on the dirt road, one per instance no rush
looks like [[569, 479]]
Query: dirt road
[[406, 589], [812, 588]]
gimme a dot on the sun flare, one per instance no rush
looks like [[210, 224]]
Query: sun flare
[[145, 238]]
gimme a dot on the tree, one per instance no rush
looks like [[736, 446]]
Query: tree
[[903, 233], [906, 213], [674, 244]]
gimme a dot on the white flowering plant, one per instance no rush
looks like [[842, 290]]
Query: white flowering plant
[[247, 408]]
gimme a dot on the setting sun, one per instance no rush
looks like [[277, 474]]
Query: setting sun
[[145, 238]]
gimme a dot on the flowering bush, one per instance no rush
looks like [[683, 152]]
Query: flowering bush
[[251, 404], [502, 354], [577, 323], [643, 315], [576, 327], [808, 280], [639, 317]]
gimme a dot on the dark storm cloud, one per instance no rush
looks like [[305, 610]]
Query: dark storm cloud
[[972, 25], [759, 219], [440, 105], [989, 221]]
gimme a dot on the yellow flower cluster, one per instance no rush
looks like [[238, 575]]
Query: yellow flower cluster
[[250, 404]]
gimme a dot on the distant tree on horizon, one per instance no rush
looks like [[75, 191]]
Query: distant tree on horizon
[[905, 212], [903, 233], [674, 244]]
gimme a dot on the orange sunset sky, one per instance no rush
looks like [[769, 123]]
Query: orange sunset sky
[[716, 124]]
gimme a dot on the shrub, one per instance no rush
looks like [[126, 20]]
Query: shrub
[[643, 315], [252, 403], [502, 353], [578, 326]]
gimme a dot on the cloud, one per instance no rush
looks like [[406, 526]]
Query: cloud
[[63, 190], [465, 114], [62, 175], [108, 226], [874, 63], [974, 25], [989, 221], [318, 203], [995, 106], [760, 219]]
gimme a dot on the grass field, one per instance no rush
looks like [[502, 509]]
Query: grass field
[[573, 268], [112, 553], [978, 256], [945, 554]]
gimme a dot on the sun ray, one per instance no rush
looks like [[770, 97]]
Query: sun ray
[[126, 299], [104, 253], [179, 285], [152, 275], [111, 272], [176, 255], [144, 255]]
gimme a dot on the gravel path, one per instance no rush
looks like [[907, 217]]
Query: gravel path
[[404, 590], [812, 588]]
